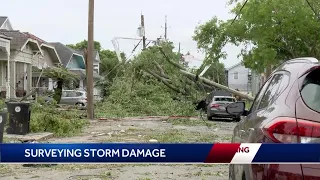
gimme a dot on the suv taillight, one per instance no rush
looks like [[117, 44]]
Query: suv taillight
[[214, 105], [290, 130]]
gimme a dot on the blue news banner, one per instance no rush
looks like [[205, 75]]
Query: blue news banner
[[160, 153]]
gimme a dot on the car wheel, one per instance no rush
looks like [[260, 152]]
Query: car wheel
[[79, 104]]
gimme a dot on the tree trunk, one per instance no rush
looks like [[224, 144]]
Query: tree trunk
[[58, 91]]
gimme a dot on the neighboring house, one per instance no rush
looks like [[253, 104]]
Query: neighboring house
[[74, 61], [4, 58], [96, 69], [239, 78], [5, 23], [96, 62], [245, 80], [50, 58], [23, 51]]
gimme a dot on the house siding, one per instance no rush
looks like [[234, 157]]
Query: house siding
[[47, 58], [3, 56], [73, 64], [25, 55], [241, 82], [7, 25]]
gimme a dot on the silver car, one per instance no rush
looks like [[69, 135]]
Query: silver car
[[217, 107], [73, 97]]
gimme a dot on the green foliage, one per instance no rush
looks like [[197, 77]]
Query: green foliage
[[146, 99], [2, 104], [46, 118], [271, 32], [60, 73], [84, 44], [136, 92], [63, 77], [216, 72]]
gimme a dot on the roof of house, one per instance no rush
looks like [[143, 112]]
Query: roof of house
[[82, 73], [5, 37], [3, 20], [52, 51], [65, 53], [18, 38], [236, 65], [29, 35], [94, 54]]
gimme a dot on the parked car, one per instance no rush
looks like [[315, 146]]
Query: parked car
[[289, 101], [72, 97], [217, 107]]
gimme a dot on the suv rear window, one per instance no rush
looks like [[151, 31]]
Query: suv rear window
[[310, 91], [225, 99]]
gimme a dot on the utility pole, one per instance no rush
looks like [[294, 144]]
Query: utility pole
[[179, 49], [89, 68], [144, 32], [165, 28]]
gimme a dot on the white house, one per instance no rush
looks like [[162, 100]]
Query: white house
[[74, 61], [50, 58], [239, 78], [244, 79], [23, 51]]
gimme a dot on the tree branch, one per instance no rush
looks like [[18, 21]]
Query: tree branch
[[165, 82]]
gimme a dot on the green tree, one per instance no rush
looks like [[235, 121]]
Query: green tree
[[271, 31], [84, 44], [62, 76], [110, 67], [216, 73]]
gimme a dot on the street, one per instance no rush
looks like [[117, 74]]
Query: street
[[156, 129]]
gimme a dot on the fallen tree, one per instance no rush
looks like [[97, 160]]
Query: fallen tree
[[204, 81]]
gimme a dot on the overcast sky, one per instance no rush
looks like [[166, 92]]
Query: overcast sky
[[66, 21]]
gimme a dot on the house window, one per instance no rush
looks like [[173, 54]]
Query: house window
[[235, 75]]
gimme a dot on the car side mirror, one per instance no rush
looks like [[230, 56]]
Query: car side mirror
[[237, 108]]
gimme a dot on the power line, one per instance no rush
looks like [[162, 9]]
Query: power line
[[239, 11]]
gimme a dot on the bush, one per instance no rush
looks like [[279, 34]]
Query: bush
[[2, 104], [46, 118]]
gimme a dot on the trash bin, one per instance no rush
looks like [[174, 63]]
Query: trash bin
[[19, 118], [3, 120]]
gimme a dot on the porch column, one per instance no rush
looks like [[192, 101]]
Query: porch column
[[2, 69], [81, 84], [25, 77], [29, 78], [12, 79], [50, 84]]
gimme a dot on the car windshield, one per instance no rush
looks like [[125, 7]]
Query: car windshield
[[226, 99]]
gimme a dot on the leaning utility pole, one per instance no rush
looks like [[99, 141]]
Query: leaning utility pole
[[143, 32], [89, 67]]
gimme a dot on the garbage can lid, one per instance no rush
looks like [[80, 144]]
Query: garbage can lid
[[14, 102]]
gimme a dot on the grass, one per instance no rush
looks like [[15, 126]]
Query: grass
[[248, 105]]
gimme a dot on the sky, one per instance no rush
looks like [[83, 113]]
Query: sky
[[66, 21]]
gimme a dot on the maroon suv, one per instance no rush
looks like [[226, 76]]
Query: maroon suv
[[286, 110]]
